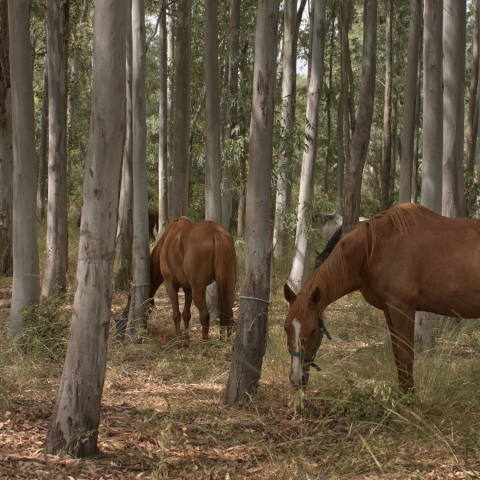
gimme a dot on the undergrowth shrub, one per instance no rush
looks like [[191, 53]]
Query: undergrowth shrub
[[47, 327]]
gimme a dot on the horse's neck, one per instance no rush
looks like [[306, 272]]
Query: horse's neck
[[341, 272]]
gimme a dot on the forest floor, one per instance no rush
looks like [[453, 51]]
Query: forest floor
[[163, 414]]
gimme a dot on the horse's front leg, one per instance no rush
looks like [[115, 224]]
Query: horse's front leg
[[402, 328], [172, 291], [187, 310]]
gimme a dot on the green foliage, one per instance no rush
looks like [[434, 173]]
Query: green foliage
[[47, 327]]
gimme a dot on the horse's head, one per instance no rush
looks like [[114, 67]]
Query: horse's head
[[305, 330]]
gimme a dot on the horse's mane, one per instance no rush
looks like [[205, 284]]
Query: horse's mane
[[402, 216], [332, 276]]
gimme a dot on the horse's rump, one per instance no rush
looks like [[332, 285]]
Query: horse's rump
[[225, 268]]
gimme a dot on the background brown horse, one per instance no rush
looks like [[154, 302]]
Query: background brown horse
[[191, 256], [403, 260]]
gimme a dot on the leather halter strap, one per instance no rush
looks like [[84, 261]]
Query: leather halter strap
[[306, 358]]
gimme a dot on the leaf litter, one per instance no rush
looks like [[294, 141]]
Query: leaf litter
[[163, 414]]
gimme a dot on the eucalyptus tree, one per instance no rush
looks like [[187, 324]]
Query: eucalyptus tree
[[410, 101], [141, 243], [213, 168], [432, 178], [231, 77], [43, 154], [361, 134], [74, 425], [284, 180], [300, 264], [454, 43], [183, 60], [6, 157], [387, 112], [162, 121], [472, 121], [125, 206], [26, 284], [170, 98], [250, 339], [56, 258], [74, 69]]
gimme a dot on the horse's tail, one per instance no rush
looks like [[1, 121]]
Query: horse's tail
[[225, 270]]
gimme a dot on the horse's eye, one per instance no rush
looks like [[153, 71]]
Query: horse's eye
[[314, 331]]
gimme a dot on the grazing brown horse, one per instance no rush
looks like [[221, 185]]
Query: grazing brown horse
[[403, 260], [152, 221], [191, 256]]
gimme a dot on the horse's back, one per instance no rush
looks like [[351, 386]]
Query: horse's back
[[435, 263]]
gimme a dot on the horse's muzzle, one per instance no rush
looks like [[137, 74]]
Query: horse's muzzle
[[299, 382]]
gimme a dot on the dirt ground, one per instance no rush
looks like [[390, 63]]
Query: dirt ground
[[163, 414]]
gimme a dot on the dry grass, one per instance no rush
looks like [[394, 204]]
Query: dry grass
[[163, 414]]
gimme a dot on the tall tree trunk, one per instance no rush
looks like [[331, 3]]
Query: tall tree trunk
[[284, 180], [231, 77], [470, 140], [454, 42], [74, 425], [43, 158], [181, 170], [361, 135], [346, 101], [74, 73], [328, 102], [171, 100], [432, 138], [243, 161], [301, 256], [141, 241], [250, 340], [6, 157], [163, 121], [432, 107], [340, 157], [125, 207], [56, 258], [416, 129], [409, 111], [26, 283], [387, 113], [213, 167]]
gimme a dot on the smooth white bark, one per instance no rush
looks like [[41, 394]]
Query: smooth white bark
[[213, 168], [301, 256], [181, 163], [56, 258], [75, 421], [454, 40], [141, 243], [26, 283]]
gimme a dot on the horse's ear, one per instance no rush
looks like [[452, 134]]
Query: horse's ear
[[314, 299], [289, 295]]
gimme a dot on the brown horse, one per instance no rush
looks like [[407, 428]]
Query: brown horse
[[191, 256], [404, 260]]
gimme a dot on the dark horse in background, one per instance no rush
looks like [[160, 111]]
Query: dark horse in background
[[404, 260], [191, 256], [152, 221]]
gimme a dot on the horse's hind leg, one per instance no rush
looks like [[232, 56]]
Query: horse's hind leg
[[187, 310], [402, 326], [173, 294], [203, 313]]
